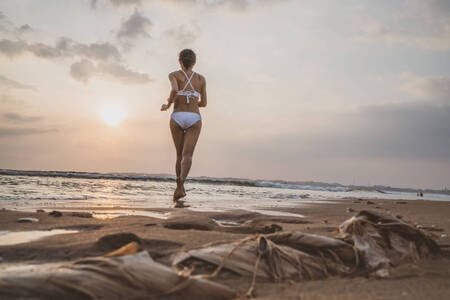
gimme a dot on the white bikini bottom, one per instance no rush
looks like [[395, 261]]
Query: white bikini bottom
[[185, 119]]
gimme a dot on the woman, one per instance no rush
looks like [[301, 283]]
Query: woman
[[188, 93]]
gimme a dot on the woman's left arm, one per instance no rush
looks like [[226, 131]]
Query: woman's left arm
[[203, 97]]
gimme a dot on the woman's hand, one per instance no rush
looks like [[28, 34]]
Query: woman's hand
[[165, 107]]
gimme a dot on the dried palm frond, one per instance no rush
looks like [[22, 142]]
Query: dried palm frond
[[134, 276]]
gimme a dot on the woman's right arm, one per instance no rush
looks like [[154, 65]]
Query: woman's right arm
[[174, 86], [173, 91]]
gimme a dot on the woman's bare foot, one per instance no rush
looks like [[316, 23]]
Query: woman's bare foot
[[179, 191], [180, 204]]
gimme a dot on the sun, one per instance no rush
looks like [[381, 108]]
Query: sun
[[112, 114]]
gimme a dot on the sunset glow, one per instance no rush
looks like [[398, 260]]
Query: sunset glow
[[354, 92], [112, 114]]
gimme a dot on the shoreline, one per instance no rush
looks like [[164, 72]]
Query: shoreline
[[185, 229]]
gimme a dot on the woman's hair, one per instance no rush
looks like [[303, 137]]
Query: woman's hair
[[187, 58]]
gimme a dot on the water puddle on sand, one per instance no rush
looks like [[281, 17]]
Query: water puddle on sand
[[227, 223], [277, 213], [8, 238], [106, 214]]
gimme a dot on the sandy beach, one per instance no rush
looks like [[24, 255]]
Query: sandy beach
[[183, 229]]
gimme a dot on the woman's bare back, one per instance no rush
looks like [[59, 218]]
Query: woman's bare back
[[198, 84]]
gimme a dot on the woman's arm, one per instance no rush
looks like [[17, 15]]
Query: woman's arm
[[203, 97], [173, 92]]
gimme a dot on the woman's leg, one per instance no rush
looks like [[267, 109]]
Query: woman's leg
[[178, 140], [190, 140]]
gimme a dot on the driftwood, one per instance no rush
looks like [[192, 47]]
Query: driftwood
[[134, 276]]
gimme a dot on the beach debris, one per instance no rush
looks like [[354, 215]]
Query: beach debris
[[205, 223], [256, 217], [277, 257], [430, 228], [112, 242], [40, 211], [349, 209], [81, 214], [401, 202], [135, 276], [372, 244], [55, 213], [130, 248], [370, 202], [184, 222], [28, 220], [444, 235], [384, 241]]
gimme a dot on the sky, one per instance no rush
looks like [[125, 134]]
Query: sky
[[352, 92]]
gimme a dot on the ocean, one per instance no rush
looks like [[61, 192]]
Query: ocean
[[31, 190]]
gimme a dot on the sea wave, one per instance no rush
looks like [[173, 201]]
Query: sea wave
[[44, 198], [166, 178]]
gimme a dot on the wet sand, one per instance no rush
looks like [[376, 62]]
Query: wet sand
[[173, 230]]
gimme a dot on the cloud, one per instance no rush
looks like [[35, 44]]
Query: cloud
[[82, 70], [17, 118], [12, 48], [125, 2], [236, 5], [374, 32], [118, 3], [122, 74], [8, 28], [184, 34], [9, 83], [421, 24], [85, 69], [426, 88], [7, 100], [135, 26], [65, 47], [431, 8], [15, 48], [23, 131], [96, 51], [395, 131], [25, 27], [44, 51]]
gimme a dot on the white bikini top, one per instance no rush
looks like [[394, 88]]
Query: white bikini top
[[191, 93]]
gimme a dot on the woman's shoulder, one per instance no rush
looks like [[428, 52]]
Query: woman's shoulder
[[174, 73], [201, 77]]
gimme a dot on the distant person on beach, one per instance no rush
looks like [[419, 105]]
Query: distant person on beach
[[188, 93]]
